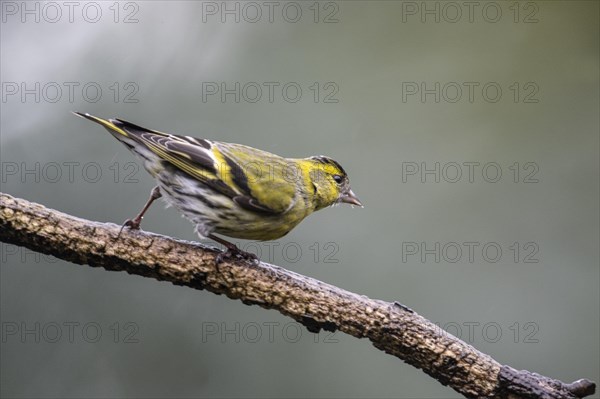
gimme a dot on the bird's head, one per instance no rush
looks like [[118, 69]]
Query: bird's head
[[330, 183]]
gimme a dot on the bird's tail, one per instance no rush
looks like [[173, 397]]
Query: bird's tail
[[113, 126], [137, 139]]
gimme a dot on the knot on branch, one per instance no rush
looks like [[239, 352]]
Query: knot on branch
[[527, 384], [315, 326]]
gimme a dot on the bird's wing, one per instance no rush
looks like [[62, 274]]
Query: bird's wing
[[268, 182]]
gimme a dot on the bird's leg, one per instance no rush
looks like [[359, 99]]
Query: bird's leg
[[134, 223], [232, 250]]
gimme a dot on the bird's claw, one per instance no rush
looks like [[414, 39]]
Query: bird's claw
[[132, 224], [235, 253]]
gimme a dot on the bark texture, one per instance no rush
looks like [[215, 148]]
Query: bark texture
[[391, 327]]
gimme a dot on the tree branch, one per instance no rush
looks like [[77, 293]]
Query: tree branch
[[391, 327]]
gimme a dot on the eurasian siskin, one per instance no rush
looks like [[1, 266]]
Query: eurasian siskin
[[232, 189]]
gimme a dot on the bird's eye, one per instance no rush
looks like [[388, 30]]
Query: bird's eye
[[338, 179]]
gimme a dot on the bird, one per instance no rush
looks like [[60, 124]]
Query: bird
[[231, 189]]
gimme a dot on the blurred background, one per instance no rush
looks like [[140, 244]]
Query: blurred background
[[470, 133]]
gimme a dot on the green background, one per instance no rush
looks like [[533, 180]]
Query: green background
[[541, 316]]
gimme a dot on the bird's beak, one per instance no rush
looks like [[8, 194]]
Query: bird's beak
[[350, 198]]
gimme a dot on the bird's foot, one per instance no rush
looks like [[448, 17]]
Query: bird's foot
[[234, 252], [131, 224], [134, 224]]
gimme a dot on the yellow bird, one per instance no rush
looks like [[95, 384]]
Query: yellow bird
[[232, 189]]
